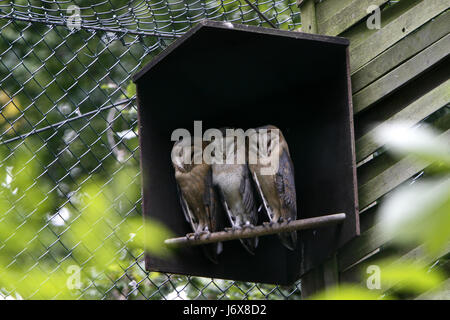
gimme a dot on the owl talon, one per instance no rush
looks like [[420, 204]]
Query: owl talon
[[190, 236], [197, 235], [268, 224]]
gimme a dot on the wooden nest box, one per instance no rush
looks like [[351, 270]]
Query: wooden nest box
[[244, 77]]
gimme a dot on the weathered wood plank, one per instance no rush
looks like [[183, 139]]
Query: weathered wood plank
[[360, 247], [371, 240], [383, 162], [308, 16], [401, 98], [336, 16], [331, 272], [368, 217], [389, 179], [392, 177], [373, 43], [360, 33], [369, 47], [327, 274], [354, 271], [418, 254], [321, 278], [401, 51], [374, 167], [401, 75], [312, 282], [415, 112]]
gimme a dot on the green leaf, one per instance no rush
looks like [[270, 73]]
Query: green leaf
[[108, 86], [423, 142], [348, 292], [418, 214], [409, 275], [131, 89]]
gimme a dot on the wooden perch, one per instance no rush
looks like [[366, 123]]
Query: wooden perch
[[257, 231]]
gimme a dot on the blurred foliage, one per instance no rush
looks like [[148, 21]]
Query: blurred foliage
[[94, 231], [346, 292], [69, 167], [101, 244], [412, 216], [70, 195], [411, 276], [419, 213]]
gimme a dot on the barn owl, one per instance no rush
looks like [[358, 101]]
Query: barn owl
[[234, 186], [198, 198], [276, 190]]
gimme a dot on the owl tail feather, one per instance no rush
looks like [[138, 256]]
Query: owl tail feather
[[212, 251], [289, 239], [250, 244]]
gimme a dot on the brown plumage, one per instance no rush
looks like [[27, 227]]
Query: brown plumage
[[277, 190], [197, 196]]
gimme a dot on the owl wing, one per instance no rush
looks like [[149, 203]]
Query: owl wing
[[260, 192], [210, 201], [226, 207], [190, 218], [248, 197], [285, 182]]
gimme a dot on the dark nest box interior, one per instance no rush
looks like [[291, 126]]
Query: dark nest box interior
[[244, 77]]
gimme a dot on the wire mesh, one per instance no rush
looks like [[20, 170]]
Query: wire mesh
[[68, 105]]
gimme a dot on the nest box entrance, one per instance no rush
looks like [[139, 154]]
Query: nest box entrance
[[244, 77]]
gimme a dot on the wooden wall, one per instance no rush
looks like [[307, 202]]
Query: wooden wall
[[399, 72]]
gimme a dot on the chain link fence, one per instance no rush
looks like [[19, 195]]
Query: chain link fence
[[67, 104]]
